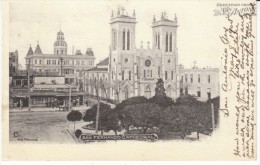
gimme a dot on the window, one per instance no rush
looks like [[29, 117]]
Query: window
[[209, 93], [181, 90], [72, 62], [186, 91], [186, 77], [166, 76], [126, 60], [53, 62], [128, 40], [198, 78], [137, 71], [151, 73], [67, 62], [208, 78], [158, 40], [123, 75], [124, 40], [191, 78], [166, 45], [159, 71], [171, 42], [40, 61], [144, 74], [82, 62], [78, 62], [35, 62], [172, 75], [199, 92], [129, 74], [48, 62]]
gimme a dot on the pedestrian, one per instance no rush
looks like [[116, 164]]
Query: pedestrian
[[86, 103], [21, 104]]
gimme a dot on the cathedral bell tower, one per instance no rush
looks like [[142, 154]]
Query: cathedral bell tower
[[122, 49], [164, 40], [122, 41]]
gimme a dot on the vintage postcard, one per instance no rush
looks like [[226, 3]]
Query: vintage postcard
[[129, 80]]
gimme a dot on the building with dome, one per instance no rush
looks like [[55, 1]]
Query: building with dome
[[54, 75], [60, 63], [133, 71]]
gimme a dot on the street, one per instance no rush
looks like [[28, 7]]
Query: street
[[39, 126]]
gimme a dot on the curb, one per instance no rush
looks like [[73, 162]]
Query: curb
[[70, 135]]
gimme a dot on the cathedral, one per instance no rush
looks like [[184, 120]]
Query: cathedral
[[130, 71]]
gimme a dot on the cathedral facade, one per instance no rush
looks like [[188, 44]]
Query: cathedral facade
[[132, 71]]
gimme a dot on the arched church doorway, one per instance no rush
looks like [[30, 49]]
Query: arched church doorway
[[147, 92], [169, 91], [125, 93]]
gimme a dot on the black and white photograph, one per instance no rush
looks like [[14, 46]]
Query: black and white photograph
[[172, 74]]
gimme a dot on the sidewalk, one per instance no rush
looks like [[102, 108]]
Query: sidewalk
[[34, 109], [81, 108]]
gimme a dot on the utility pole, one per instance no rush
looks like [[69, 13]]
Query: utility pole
[[61, 61], [213, 117], [70, 97], [98, 106], [28, 83]]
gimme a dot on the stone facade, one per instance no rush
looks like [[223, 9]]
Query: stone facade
[[60, 63]]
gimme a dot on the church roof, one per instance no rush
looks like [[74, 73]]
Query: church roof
[[30, 51], [38, 50], [98, 69], [103, 62]]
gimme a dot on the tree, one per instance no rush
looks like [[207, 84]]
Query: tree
[[162, 100], [145, 115], [90, 114], [74, 116], [159, 89], [110, 121]]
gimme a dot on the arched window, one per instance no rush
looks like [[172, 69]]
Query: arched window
[[166, 45], [124, 40], [115, 40], [151, 73], [129, 74], [166, 76], [123, 75], [171, 42], [128, 40], [158, 40], [144, 74], [172, 75]]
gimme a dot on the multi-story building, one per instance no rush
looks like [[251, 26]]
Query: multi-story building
[[199, 82], [134, 71], [60, 62]]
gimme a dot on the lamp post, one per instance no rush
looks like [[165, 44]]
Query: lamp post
[[69, 97]]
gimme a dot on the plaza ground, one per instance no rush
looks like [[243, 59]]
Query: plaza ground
[[48, 126]]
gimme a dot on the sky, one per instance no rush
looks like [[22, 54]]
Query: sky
[[86, 24]]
